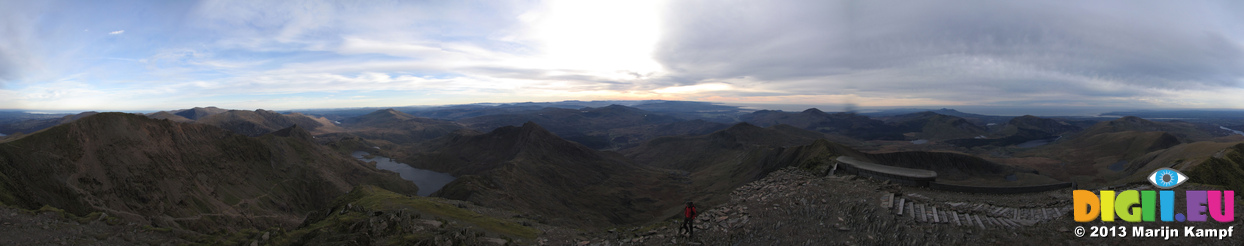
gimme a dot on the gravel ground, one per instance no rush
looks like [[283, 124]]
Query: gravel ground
[[24, 227], [793, 207]]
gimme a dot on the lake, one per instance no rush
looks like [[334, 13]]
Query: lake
[[1038, 142], [427, 180]]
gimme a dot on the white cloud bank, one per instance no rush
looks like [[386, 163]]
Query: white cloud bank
[[871, 53]]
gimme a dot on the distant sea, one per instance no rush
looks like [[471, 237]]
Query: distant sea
[[985, 110]]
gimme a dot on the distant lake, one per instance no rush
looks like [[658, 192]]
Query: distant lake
[[1038, 142], [427, 180]]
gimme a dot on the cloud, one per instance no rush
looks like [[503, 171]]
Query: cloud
[[976, 52], [873, 53], [698, 88], [17, 40]]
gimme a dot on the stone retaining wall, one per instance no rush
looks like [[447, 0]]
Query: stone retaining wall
[[997, 189], [927, 178], [847, 168]]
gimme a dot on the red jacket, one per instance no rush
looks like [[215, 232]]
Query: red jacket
[[689, 212]]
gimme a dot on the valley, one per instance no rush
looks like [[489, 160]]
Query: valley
[[614, 123], [601, 173]]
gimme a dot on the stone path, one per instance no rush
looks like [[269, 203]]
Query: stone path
[[967, 214]]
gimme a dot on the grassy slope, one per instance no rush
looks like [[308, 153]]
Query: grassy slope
[[173, 174], [364, 202], [1181, 156], [1226, 170]]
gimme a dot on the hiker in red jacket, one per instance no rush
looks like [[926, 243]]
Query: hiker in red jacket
[[688, 214]]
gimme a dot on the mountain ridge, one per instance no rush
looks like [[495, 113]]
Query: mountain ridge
[[178, 175]]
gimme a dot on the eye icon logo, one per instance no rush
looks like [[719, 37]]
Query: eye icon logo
[[1166, 178]]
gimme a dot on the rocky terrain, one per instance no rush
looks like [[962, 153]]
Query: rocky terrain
[[53, 227], [795, 207]]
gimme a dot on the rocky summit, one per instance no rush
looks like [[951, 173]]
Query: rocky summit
[[792, 206]]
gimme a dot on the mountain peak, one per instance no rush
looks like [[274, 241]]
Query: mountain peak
[[615, 106], [613, 109], [531, 129], [813, 111], [389, 111], [198, 112], [165, 115], [742, 126], [1025, 119], [532, 126]]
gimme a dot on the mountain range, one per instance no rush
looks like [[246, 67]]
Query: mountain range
[[529, 171]]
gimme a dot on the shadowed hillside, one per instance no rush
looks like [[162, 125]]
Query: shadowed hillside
[[934, 126], [1020, 130], [1182, 156], [197, 113], [165, 115], [843, 124], [1225, 168], [395, 127], [608, 127], [259, 122], [167, 174], [1051, 127], [723, 160], [1104, 152], [693, 153], [1183, 130], [28, 126], [530, 169]]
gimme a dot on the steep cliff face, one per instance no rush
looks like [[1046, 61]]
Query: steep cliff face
[[170, 174]]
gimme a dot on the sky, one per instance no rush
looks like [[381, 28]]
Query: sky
[[156, 55]]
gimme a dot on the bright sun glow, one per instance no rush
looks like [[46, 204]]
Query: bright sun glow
[[610, 39]]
